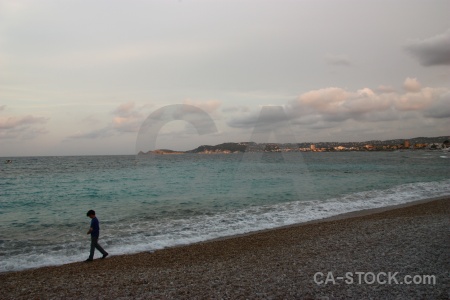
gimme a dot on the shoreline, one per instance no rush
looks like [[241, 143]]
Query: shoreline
[[410, 238], [346, 215]]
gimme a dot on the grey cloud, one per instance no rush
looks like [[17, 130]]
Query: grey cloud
[[125, 110], [26, 127], [33, 132], [128, 127], [337, 105], [307, 120], [338, 117], [235, 109], [387, 115], [269, 116], [431, 51], [16, 122], [243, 121], [126, 118], [439, 109], [8, 135], [185, 131], [94, 134], [337, 60], [319, 125], [325, 108], [209, 106], [385, 89], [91, 120]]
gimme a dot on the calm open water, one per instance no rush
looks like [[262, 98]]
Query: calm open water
[[148, 203]]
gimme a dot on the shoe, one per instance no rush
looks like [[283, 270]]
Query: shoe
[[105, 255], [88, 260]]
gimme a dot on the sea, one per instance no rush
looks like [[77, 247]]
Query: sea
[[150, 202]]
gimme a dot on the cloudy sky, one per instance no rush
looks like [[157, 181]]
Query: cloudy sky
[[81, 77]]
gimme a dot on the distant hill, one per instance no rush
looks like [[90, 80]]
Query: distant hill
[[225, 147], [274, 147], [161, 151]]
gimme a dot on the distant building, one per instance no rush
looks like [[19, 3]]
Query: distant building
[[313, 147], [434, 146], [406, 144], [340, 148], [419, 146]]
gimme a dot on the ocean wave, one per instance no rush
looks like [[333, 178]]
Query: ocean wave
[[152, 235]]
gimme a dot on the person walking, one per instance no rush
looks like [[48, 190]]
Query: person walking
[[94, 231]]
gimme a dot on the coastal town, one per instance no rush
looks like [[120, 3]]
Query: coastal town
[[419, 143]]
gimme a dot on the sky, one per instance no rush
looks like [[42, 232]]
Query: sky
[[82, 77]]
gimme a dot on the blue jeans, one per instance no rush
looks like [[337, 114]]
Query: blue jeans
[[95, 245]]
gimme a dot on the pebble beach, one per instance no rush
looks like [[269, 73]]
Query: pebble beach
[[293, 262]]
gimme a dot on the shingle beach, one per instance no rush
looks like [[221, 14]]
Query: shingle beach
[[384, 245]]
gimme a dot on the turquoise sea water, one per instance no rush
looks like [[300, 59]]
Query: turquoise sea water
[[152, 202]]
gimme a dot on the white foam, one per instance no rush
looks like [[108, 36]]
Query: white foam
[[201, 228], [138, 237]]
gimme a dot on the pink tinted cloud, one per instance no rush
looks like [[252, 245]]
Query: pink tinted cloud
[[126, 118], [21, 126], [332, 105], [412, 85], [17, 122], [337, 104]]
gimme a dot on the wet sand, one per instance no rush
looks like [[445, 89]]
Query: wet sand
[[273, 264]]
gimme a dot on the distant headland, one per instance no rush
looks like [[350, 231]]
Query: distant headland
[[423, 143]]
